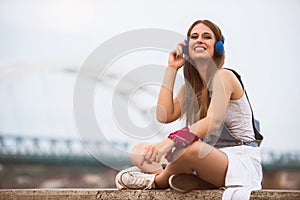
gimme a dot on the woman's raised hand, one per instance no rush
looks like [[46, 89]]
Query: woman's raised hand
[[176, 59]]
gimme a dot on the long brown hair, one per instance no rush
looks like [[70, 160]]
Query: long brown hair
[[196, 86]]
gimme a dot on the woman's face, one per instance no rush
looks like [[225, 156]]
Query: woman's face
[[201, 42]]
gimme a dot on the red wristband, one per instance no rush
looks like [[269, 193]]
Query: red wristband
[[183, 137]]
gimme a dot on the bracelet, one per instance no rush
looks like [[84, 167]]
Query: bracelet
[[183, 137]]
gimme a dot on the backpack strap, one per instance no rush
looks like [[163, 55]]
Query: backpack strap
[[255, 123]]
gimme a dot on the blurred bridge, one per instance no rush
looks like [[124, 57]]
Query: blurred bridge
[[24, 149]]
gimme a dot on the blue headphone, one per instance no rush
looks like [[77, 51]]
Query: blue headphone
[[219, 47]]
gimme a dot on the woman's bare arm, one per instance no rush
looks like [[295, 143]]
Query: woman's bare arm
[[169, 109], [222, 91]]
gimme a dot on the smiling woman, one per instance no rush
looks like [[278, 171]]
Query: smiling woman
[[211, 98]]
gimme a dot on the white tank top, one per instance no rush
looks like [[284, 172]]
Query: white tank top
[[238, 119]]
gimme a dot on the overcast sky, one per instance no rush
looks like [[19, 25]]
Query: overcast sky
[[261, 42]]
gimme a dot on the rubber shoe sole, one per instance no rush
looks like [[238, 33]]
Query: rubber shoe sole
[[188, 182]]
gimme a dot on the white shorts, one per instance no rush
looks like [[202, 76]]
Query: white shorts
[[244, 167]]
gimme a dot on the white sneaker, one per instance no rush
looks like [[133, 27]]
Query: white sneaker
[[137, 180], [118, 177]]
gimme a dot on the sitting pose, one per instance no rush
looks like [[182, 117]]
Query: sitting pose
[[211, 100]]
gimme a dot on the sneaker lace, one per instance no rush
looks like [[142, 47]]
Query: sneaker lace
[[141, 180]]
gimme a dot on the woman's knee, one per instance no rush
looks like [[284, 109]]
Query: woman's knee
[[136, 152]]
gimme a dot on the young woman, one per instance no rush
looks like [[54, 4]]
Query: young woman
[[211, 97]]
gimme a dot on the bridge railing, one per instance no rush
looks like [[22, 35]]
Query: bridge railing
[[51, 150]]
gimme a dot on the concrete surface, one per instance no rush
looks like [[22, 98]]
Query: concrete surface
[[98, 194]]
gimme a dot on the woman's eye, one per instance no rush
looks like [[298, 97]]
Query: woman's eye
[[207, 37], [194, 36]]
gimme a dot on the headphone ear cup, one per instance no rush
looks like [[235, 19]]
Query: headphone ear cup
[[185, 47], [219, 48]]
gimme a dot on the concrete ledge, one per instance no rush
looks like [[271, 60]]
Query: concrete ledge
[[98, 194]]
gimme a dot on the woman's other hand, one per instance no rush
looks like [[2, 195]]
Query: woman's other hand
[[154, 153]]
